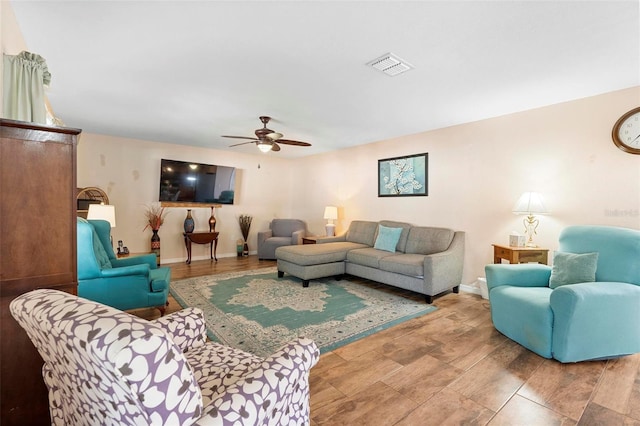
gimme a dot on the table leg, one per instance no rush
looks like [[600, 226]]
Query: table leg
[[214, 244], [187, 243]]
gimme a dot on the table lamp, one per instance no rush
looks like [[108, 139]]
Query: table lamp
[[103, 212], [530, 203], [331, 214]]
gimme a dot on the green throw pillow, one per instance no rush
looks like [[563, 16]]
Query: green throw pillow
[[388, 238], [571, 268]]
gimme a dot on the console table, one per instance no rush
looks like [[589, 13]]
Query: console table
[[201, 238]]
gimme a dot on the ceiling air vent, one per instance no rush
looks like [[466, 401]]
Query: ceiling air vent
[[390, 64]]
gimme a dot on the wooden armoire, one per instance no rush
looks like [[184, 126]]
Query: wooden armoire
[[37, 250]]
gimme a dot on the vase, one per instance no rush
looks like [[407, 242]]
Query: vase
[[189, 223], [212, 222], [245, 249], [155, 245], [239, 247]]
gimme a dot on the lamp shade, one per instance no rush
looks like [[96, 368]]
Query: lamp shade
[[264, 147], [331, 212], [104, 212], [530, 202]]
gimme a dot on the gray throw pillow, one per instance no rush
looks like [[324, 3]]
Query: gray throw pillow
[[571, 268]]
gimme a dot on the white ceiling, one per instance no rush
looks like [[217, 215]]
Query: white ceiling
[[188, 72]]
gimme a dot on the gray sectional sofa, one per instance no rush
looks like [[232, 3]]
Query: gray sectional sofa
[[426, 260]]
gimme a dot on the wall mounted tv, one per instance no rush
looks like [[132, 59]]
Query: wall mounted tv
[[189, 182]]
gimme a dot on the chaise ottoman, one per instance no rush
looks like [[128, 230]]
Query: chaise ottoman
[[310, 261]]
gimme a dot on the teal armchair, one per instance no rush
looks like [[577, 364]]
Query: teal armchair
[[585, 307], [127, 283]]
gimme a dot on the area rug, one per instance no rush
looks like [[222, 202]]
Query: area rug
[[258, 312]]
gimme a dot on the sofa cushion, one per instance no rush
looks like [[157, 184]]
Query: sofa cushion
[[216, 367], [362, 232], [618, 250], [286, 227], [428, 240], [524, 314], [387, 238], [316, 254], [402, 242], [405, 264], [278, 241], [571, 268], [367, 256]]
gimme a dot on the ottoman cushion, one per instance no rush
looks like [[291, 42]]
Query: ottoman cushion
[[315, 254]]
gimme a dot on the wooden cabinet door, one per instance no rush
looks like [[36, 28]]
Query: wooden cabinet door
[[37, 250]]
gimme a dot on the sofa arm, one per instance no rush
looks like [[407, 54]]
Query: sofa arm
[[126, 270], [149, 259], [263, 235], [277, 390], [443, 271], [595, 320], [187, 328], [518, 275]]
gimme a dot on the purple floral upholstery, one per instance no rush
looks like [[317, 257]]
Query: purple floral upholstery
[[103, 366]]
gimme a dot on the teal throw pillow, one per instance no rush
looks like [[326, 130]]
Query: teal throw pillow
[[571, 268], [388, 238], [101, 255]]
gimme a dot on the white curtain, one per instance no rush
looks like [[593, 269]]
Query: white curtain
[[25, 76]]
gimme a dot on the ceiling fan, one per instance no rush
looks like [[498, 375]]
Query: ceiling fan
[[266, 138]]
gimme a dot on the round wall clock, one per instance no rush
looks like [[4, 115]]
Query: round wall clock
[[626, 132]]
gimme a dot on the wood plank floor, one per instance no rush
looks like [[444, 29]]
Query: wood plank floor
[[451, 367]]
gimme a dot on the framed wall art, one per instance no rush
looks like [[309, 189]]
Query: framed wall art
[[403, 176]]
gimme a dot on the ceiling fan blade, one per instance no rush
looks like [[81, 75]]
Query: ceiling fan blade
[[275, 147], [243, 143], [240, 137], [290, 142]]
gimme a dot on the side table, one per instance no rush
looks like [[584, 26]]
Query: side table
[[312, 240], [201, 238], [520, 254], [121, 255]]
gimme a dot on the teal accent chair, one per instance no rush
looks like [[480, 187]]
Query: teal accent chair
[[596, 319], [126, 283]]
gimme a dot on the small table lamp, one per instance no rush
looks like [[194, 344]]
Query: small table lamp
[[331, 214], [530, 203], [103, 212]]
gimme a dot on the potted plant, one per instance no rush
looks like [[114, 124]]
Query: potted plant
[[245, 223], [155, 215]]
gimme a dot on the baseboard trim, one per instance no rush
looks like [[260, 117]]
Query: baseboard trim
[[470, 289]]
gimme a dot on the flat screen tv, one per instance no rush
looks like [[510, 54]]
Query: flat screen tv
[[189, 182]]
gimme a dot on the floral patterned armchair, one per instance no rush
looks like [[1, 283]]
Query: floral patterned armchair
[[103, 366]]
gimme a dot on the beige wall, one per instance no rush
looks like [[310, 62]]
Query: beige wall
[[476, 173], [129, 171], [478, 170]]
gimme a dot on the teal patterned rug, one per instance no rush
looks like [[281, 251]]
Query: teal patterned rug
[[258, 312]]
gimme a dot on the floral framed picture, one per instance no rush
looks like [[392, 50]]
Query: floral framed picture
[[403, 176]]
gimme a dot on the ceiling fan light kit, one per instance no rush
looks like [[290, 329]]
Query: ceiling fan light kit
[[265, 138], [264, 147]]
